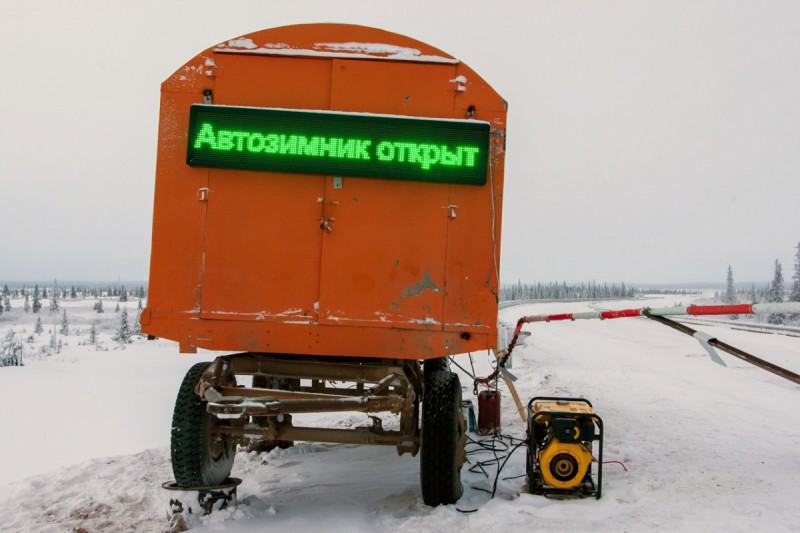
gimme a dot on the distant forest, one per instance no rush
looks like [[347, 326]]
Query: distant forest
[[74, 291], [775, 292], [586, 290]]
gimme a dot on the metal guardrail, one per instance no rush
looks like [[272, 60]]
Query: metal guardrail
[[745, 326], [512, 303]]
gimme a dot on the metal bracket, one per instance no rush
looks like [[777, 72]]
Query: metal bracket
[[703, 339]]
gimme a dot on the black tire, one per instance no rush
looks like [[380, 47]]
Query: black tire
[[435, 365], [443, 439], [197, 461]]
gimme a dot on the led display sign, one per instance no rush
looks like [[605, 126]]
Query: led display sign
[[338, 144]]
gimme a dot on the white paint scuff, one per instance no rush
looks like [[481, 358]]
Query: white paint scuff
[[334, 50]]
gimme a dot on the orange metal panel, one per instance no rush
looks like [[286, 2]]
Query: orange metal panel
[[267, 81], [263, 240], [384, 258], [263, 243], [392, 87], [473, 247], [240, 260], [178, 215], [314, 339]]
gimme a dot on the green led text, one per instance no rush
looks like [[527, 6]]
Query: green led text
[[273, 143], [426, 155]]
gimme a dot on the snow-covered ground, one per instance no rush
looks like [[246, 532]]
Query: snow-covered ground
[[85, 437]]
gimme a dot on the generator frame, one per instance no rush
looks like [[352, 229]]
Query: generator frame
[[535, 480]]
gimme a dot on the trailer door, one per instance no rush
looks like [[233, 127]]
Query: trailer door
[[384, 240], [262, 239]]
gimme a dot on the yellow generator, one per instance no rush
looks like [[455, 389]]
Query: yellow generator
[[561, 433]]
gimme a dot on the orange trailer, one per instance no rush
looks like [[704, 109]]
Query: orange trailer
[[328, 203]]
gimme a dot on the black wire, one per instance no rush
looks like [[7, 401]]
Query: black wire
[[471, 363], [494, 488], [497, 460], [462, 368], [483, 444], [497, 445]]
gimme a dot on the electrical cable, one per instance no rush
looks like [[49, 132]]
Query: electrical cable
[[620, 463], [472, 365], [497, 477], [452, 360], [502, 448]]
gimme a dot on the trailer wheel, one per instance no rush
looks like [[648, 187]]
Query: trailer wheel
[[198, 458], [443, 439], [435, 365]]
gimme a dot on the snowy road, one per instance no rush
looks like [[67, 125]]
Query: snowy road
[[707, 448]]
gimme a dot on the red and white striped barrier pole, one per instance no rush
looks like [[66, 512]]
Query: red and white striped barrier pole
[[659, 314], [694, 310]]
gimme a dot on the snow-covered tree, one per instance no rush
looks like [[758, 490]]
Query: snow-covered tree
[[38, 328], [123, 334], [775, 294], [37, 302], [54, 298], [776, 285], [137, 324], [6, 303], [27, 305], [794, 293], [98, 306], [11, 350], [93, 335], [55, 343], [6, 290], [116, 309], [730, 290], [753, 294], [729, 297], [64, 324]]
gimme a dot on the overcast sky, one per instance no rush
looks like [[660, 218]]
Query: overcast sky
[[647, 141]]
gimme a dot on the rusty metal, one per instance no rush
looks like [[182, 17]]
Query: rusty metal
[[262, 413], [383, 384], [359, 435], [233, 392], [271, 406], [217, 374], [732, 350], [252, 364]]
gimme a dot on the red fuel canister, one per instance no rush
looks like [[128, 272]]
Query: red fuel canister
[[488, 412]]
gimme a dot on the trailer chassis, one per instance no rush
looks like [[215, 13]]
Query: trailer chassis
[[257, 415]]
